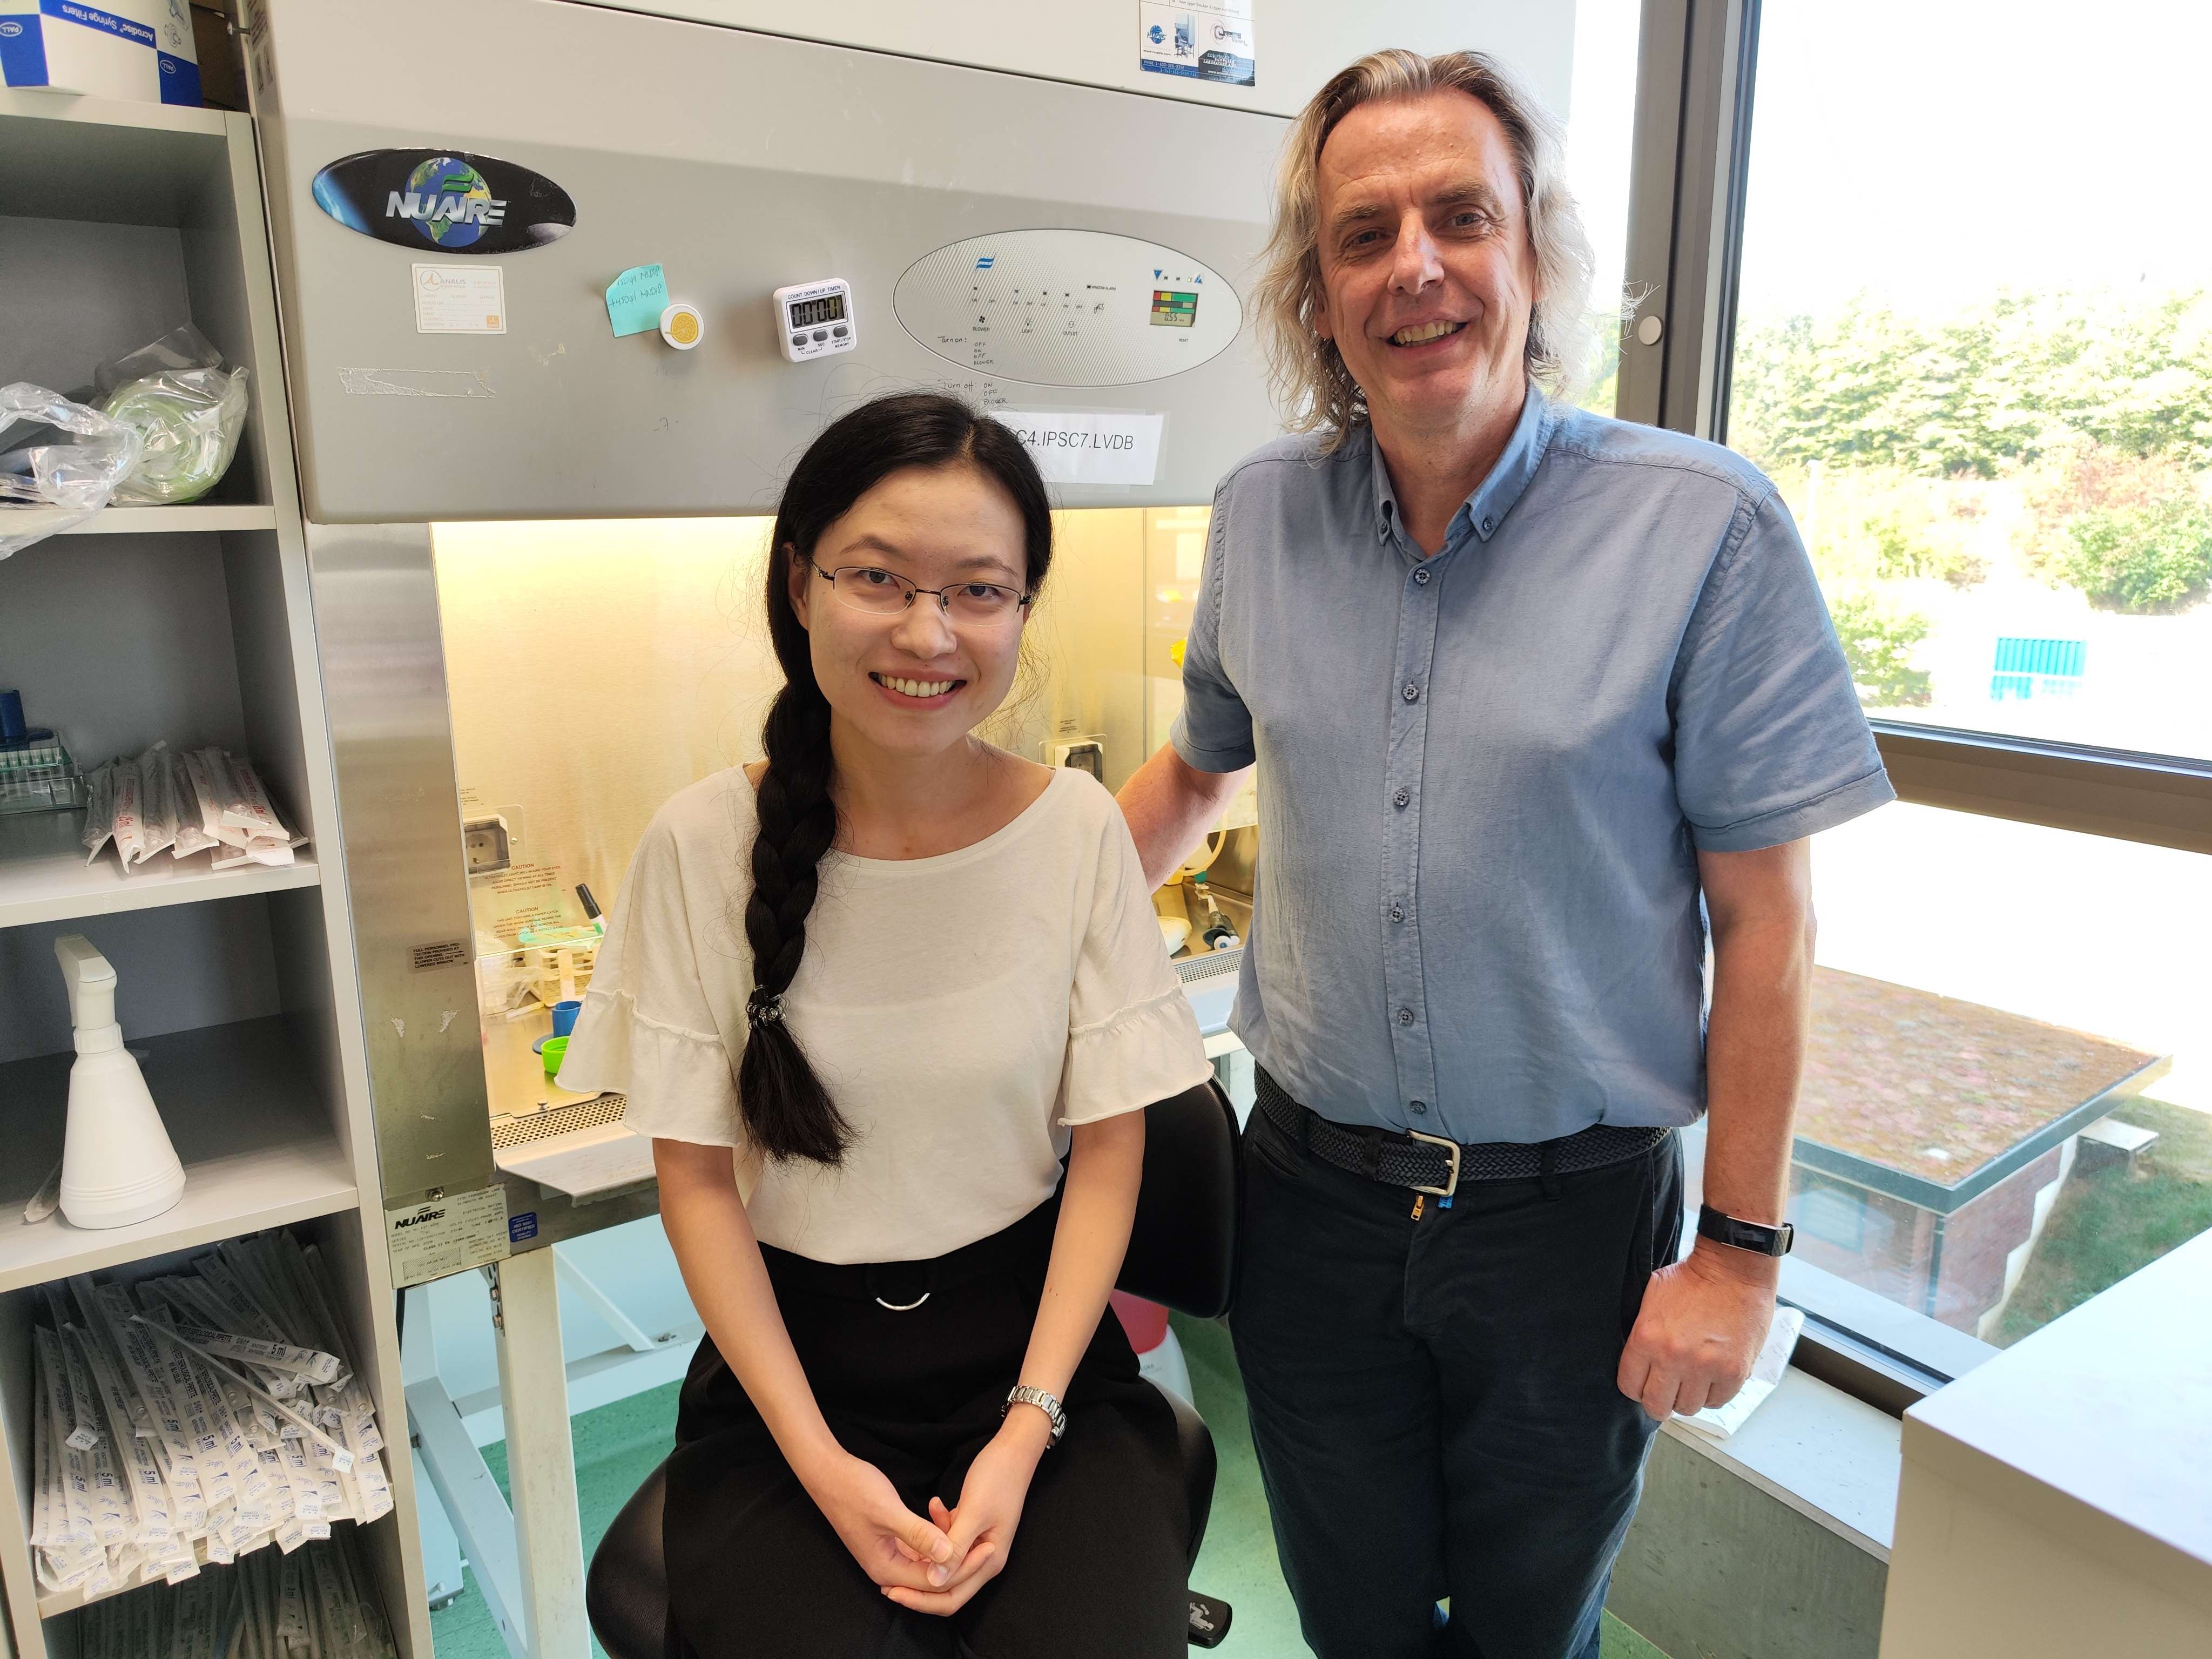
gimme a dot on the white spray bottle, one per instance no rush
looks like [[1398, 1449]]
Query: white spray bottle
[[117, 1165]]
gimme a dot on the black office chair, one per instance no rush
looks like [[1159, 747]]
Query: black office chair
[[1181, 1254]]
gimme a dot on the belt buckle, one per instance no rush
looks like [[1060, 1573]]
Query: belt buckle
[[1451, 1151]]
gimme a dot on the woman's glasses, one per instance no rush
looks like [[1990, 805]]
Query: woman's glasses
[[886, 593]]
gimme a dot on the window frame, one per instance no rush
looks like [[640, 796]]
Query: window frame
[[1696, 82]]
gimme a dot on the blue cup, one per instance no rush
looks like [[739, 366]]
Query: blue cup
[[11, 717], [564, 1016]]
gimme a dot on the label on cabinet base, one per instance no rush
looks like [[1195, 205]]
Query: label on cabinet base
[[446, 1235]]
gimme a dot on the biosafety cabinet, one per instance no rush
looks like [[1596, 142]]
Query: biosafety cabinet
[[535, 535], [563, 290]]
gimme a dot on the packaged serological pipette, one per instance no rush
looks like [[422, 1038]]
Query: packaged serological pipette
[[194, 1460]]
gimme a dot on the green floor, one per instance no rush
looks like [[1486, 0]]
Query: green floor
[[618, 1445]]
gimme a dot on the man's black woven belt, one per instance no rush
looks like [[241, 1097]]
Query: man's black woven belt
[[1428, 1163]]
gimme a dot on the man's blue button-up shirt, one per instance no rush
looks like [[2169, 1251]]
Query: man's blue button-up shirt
[[1485, 776]]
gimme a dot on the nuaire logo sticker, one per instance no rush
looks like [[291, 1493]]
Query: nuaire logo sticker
[[449, 200]]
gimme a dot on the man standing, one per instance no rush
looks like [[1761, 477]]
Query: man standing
[[1541, 702]]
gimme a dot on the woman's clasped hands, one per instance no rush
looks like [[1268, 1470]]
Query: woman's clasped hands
[[937, 1564]]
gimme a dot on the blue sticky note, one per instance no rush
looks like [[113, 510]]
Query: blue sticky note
[[635, 299]]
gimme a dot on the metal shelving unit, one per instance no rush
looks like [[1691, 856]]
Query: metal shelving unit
[[118, 221]]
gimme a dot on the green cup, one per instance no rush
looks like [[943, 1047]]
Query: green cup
[[554, 1048]]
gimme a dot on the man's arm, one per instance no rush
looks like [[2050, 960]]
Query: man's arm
[[1704, 1318], [1170, 804]]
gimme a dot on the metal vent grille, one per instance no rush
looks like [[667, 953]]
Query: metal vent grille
[[559, 1121], [1213, 964]]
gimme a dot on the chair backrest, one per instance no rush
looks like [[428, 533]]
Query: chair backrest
[[1183, 1246]]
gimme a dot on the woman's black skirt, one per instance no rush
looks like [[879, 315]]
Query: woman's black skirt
[[910, 1363]]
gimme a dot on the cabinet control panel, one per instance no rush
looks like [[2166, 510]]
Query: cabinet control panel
[[1067, 307]]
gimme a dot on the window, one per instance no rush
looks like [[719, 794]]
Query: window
[[1600, 130], [1894, 257], [2007, 1098], [1973, 346], [1996, 1005]]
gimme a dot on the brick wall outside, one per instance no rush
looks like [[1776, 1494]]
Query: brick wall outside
[[1867, 1237], [1980, 1235], [1889, 1246]]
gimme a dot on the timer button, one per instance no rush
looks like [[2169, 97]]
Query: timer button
[[821, 333], [799, 339]]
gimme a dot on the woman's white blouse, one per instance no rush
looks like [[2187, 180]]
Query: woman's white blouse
[[963, 1011]]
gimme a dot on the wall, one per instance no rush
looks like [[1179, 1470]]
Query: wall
[[1715, 1568], [1889, 1253], [1973, 1577], [2051, 1501], [593, 669], [1983, 1238], [1975, 1255], [596, 667]]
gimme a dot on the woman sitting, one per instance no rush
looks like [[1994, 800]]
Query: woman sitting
[[865, 997]]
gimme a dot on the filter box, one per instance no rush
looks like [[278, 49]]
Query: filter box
[[140, 50]]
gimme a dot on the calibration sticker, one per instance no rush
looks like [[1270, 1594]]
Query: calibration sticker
[[446, 1235], [1201, 40], [460, 300]]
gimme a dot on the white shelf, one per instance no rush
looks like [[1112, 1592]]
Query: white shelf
[[175, 520], [44, 876], [257, 1148], [111, 159], [112, 112]]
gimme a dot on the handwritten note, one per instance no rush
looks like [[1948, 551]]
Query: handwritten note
[[635, 299]]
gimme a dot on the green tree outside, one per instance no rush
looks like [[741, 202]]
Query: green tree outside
[[2100, 404]]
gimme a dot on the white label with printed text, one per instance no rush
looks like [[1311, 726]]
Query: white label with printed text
[[1096, 446]]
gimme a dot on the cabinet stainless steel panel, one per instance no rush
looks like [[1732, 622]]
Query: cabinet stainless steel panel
[[739, 163], [1068, 307]]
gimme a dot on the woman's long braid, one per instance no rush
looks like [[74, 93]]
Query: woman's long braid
[[788, 1114]]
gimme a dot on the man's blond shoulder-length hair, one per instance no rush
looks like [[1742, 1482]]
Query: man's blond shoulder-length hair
[[1308, 375]]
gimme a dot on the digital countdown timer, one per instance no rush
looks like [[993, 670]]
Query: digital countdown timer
[[815, 319]]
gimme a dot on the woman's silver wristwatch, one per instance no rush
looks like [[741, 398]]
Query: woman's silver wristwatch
[[1022, 1394]]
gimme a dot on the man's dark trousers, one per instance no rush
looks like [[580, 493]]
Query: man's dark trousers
[[1434, 1401]]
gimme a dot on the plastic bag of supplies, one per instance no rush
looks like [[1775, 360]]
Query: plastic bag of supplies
[[188, 409], [48, 488]]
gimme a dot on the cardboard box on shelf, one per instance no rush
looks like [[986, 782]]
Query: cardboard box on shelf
[[142, 49]]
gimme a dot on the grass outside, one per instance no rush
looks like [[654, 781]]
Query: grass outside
[[2107, 1223]]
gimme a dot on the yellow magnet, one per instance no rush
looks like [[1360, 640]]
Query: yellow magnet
[[681, 326]]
